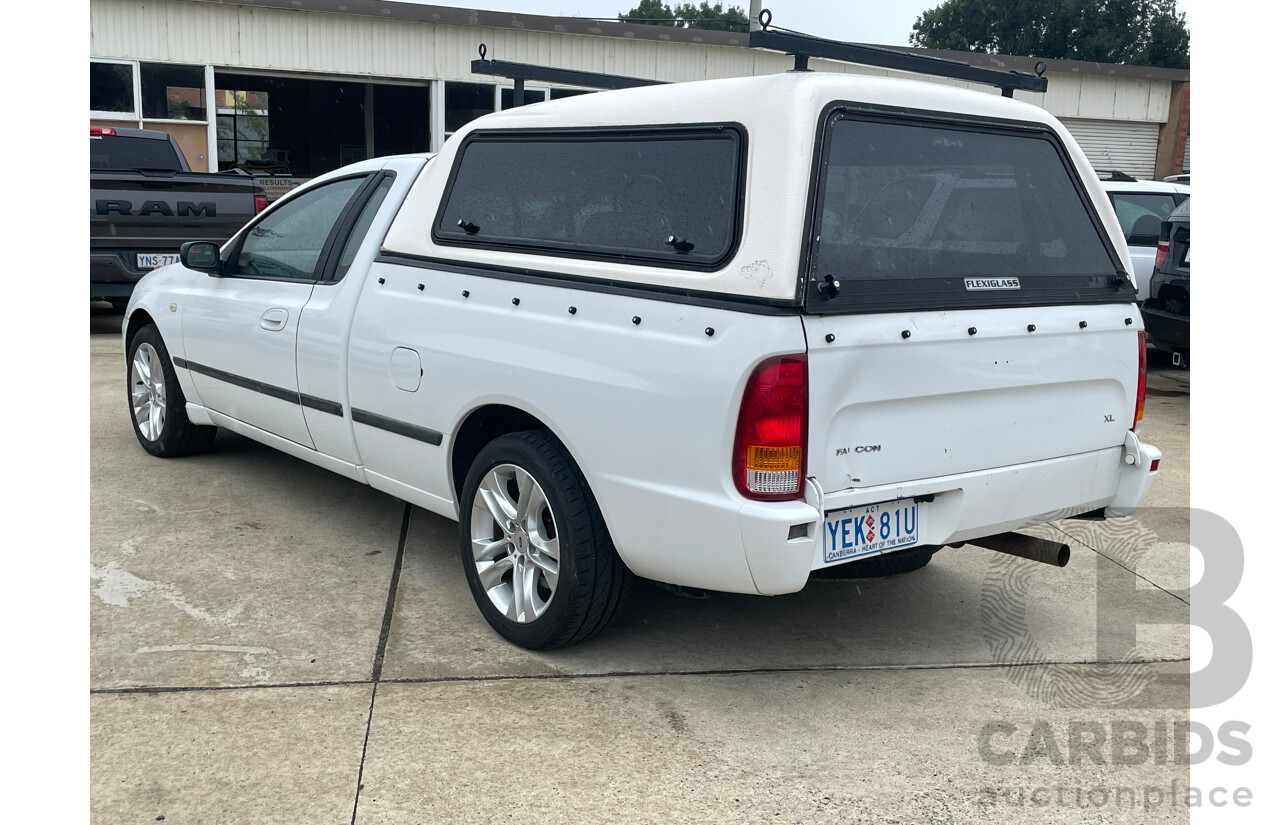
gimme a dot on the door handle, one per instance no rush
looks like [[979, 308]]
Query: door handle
[[274, 319]]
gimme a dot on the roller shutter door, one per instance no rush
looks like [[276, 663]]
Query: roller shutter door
[[1127, 146], [1186, 155]]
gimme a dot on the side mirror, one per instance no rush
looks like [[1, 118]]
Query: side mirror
[[201, 255]]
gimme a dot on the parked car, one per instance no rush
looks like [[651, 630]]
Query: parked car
[[1141, 206], [144, 202], [718, 335], [1167, 313]]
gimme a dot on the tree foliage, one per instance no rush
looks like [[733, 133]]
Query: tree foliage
[[1140, 32], [688, 16]]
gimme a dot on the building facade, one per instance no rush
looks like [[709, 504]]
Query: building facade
[[289, 89]]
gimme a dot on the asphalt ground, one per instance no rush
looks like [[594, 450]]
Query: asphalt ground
[[273, 643]]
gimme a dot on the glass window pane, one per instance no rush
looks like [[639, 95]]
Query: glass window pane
[[1141, 214], [287, 242], [111, 87], [905, 201], [172, 92], [618, 196], [121, 152], [464, 102], [530, 96], [557, 94]]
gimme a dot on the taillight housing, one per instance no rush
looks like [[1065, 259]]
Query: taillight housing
[[1142, 381], [773, 427], [259, 203], [101, 130], [1162, 242], [1162, 251]]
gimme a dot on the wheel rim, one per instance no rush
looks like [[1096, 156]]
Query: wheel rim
[[147, 391], [515, 543]]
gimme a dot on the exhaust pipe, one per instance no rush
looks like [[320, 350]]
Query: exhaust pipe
[[1053, 553]]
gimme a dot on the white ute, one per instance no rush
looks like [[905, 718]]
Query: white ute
[[717, 334]]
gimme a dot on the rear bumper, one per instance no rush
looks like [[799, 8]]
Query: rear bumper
[[112, 274], [722, 542], [1165, 330], [965, 506]]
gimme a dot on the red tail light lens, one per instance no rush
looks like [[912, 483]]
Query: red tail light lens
[[259, 203], [101, 130], [1142, 381], [773, 425], [1162, 251]]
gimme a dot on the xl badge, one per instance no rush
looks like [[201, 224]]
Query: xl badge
[[992, 283]]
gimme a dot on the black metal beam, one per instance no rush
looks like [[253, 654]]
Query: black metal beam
[[804, 46], [520, 72]]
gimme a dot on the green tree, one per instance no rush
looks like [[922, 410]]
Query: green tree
[[688, 16], [1139, 32]]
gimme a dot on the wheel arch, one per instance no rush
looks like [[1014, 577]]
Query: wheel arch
[[482, 425], [139, 319]]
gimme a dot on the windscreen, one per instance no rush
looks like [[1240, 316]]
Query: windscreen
[[120, 152], [913, 215]]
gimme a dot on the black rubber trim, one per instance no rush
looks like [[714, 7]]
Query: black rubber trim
[[331, 407], [713, 300], [321, 404], [391, 425]]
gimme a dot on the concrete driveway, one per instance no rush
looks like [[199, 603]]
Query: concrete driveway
[[273, 643]]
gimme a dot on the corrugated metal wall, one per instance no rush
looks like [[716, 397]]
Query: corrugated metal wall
[[262, 39], [1129, 147]]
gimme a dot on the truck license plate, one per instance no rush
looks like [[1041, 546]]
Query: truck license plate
[[151, 260], [870, 529]]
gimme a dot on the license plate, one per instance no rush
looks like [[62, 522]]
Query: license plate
[[151, 260], [870, 529]]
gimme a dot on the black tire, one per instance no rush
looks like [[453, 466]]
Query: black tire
[[876, 567], [175, 435], [592, 582]]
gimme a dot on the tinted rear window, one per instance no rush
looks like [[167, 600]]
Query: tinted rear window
[[669, 198], [119, 152], [914, 215]]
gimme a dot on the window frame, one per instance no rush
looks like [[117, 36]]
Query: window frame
[[1045, 290], [327, 261], [136, 79], [689, 131]]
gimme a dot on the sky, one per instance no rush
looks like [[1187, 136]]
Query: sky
[[884, 22]]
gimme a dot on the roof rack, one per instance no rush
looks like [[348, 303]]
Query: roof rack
[[520, 72], [1114, 175], [804, 46]]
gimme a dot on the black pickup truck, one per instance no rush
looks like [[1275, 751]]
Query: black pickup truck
[[145, 202]]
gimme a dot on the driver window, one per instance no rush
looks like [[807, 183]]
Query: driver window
[[287, 243]]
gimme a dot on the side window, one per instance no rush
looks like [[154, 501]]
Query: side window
[[287, 243], [1140, 215], [361, 228], [668, 198]]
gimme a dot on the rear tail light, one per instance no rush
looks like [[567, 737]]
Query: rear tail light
[[1162, 251], [101, 130], [1142, 381], [259, 203], [773, 424]]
